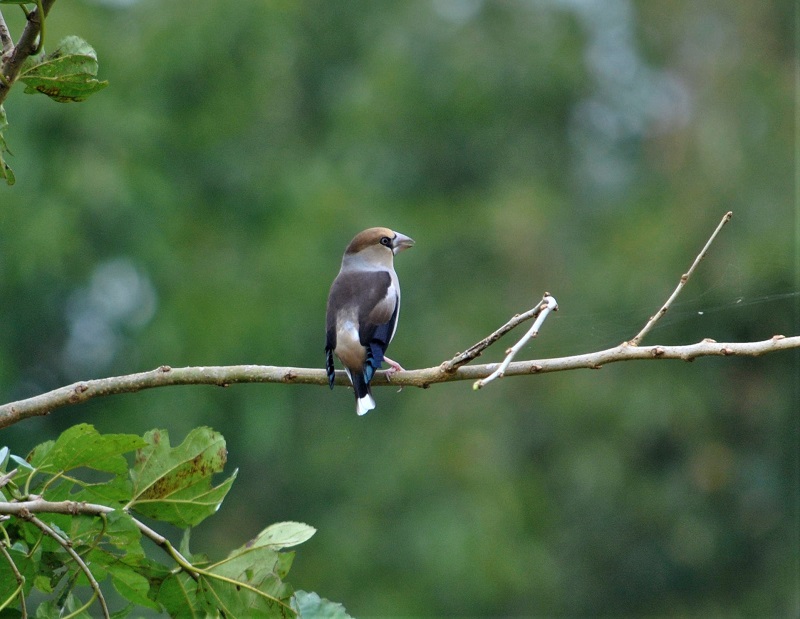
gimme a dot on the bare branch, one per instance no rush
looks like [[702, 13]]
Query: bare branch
[[684, 278], [548, 304], [476, 350], [45, 403], [67, 546]]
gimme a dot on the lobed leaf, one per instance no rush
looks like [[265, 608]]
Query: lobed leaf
[[174, 484], [131, 585], [65, 75], [83, 446]]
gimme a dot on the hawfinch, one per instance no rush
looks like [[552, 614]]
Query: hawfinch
[[363, 307]]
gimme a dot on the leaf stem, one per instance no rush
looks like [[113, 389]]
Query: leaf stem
[[78, 611], [67, 546], [20, 580]]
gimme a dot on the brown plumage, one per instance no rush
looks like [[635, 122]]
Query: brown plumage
[[363, 307]]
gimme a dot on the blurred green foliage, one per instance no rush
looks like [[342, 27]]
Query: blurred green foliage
[[195, 211]]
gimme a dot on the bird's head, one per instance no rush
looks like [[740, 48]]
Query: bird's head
[[377, 246]]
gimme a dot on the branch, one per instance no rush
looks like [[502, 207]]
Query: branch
[[67, 546], [15, 55], [684, 278], [476, 350], [6, 42], [20, 582], [548, 304], [451, 370], [223, 376], [72, 508]]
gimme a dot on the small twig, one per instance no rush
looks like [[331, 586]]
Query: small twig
[[6, 41], [548, 304], [166, 546], [27, 44], [7, 477], [20, 581], [66, 545], [684, 278], [41, 15], [476, 350]]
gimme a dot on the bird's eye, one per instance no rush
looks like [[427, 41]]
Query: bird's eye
[[386, 241]]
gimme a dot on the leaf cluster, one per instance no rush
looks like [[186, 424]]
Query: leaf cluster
[[72, 508]]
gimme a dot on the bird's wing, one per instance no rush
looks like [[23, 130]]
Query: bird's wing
[[372, 298]]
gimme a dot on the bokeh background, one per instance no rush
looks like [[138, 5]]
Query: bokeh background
[[195, 212]]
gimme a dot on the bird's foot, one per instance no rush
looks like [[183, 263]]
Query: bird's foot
[[393, 367]]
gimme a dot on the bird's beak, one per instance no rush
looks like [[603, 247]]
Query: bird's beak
[[401, 242]]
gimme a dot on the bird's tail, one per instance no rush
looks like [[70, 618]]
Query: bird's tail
[[364, 399]]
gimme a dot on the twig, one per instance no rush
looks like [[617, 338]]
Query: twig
[[4, 479], [65, 544], [46, 403], [166, 546], [548, 304], [26, 45], [476, 350], [20, 581], [34, 506], [6, 41], [20, 508], [684, 278]]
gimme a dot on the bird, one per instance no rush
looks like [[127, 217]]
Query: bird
[[363, 306]]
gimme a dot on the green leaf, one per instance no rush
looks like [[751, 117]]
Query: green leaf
[[311, 606], [5, 171], [116, 491], [123, 533], [131, 585], [174, 484], [179, 596], [262, 569], [124, 612], [8, 580], [67, 74], [247, 583], [47, 610], [282, 535], [42, 583], [82, 445]]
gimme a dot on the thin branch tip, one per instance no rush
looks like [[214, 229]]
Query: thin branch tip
[[682, 282]]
